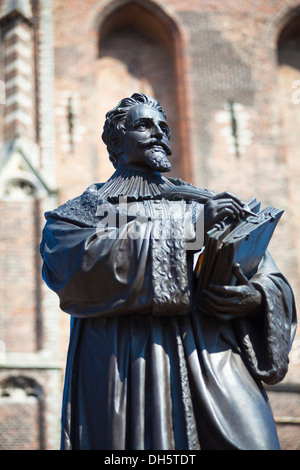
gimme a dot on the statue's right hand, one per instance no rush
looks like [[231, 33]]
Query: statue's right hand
[[221, 206]]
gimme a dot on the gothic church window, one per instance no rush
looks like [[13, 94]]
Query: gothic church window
[[137, 54]]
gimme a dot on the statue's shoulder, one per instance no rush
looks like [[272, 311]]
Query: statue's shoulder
[[183, 190], [82, 209], [178, 182]]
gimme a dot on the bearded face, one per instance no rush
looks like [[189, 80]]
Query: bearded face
[[146, 140]]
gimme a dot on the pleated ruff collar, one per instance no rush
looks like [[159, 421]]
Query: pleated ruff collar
[[133, 183]]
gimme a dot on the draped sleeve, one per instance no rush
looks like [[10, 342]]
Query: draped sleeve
[[266, 339], [96, 271]]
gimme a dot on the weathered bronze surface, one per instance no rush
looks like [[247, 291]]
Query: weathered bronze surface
[[147, 368]]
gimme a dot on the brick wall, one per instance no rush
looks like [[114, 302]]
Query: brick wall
[[19, 318], [20, 424], [29, 417]]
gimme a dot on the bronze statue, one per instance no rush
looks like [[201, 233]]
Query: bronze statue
[[146, 368]]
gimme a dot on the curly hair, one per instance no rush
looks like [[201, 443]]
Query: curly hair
[[115, 123]]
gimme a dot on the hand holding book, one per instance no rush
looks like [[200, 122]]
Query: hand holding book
[[229, 242], [221, 206], [230, 302]]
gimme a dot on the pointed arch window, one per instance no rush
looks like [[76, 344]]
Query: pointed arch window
[[288, 50], [137, 53], [288, 60]]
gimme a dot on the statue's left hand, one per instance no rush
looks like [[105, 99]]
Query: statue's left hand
[[229, 302]]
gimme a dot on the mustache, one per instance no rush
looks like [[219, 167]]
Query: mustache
[[151, 142]]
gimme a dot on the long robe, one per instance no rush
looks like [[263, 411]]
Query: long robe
[[145, 369]]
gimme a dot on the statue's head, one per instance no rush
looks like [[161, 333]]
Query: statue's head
[[137, 135]]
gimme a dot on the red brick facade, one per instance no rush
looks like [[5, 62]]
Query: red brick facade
[[216, 67]]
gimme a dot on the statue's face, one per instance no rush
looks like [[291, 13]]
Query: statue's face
[[146, 140]]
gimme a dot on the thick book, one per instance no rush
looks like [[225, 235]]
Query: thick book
[[230, 242]]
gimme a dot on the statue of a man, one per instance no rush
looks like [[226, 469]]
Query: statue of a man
[[145, 368]]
